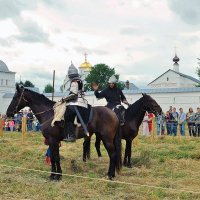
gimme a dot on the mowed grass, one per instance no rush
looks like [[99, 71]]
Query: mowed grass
[[164, 163]]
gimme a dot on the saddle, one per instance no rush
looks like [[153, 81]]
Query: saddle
[[59, 121], [120, 112]]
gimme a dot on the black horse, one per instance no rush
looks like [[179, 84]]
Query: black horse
[[104, 122], [133, 118]]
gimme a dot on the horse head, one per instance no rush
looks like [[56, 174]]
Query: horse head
[[18, 102], [151, 105]]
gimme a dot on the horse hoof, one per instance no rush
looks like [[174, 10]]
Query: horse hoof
[[57, 177], [125, 164], [100, 158], [129, 166], [51, 177], [111, 177], [84, 159]]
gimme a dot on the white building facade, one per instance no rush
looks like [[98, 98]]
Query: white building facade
[[173, 78], [7, 85], [170, 89]]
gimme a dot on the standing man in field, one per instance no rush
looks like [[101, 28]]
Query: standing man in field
[[173, 118], [181, 121]]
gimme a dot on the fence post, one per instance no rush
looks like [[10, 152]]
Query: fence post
[[23, 128], [178, 133], [1, 128]]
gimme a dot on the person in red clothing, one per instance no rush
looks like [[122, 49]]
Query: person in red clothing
[[48, 153], [150, 116]]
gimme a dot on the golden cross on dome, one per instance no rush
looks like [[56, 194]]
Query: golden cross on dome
[[85, 57]]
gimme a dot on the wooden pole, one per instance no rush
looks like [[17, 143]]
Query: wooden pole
[[1, 128], [23, 128], [178, 133], [53, 84]]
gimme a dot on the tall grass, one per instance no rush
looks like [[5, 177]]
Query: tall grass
[[168, 163]]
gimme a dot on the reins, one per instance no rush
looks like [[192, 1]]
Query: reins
[[22, 97], [39, 113]]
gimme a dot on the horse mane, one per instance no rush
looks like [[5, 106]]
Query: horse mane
[[41, 97], [135, 108]]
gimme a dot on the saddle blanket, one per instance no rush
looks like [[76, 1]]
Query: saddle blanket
[[59, 111]]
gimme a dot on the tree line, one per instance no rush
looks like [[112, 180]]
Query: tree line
[[99, 74]]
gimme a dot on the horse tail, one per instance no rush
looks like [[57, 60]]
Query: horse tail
[[118, 150]]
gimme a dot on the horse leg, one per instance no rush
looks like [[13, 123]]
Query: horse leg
[[58, 176], [112, 155], [53, 167], [86, 149], [129, 144], [126, 154], [97, 145], [56, 171]]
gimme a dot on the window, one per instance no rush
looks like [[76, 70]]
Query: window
[[167, 78], [1, 81], [6, 82]]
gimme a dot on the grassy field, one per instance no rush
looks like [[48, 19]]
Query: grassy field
[[171, 164]]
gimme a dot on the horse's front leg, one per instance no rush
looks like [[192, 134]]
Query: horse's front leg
[[56, 171]]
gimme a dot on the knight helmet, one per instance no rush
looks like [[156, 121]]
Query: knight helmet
[[72, 72], [112, 79]]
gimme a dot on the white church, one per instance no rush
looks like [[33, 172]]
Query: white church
[[171, 88], [173, 78]]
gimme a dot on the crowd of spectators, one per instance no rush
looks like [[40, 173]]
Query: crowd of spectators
[[15, 124], [168, 123]]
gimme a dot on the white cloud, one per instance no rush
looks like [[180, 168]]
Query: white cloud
[[137, 37]]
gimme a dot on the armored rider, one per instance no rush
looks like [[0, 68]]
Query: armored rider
[[114, 96], [75, 102]]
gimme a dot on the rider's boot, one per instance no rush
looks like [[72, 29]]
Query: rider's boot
[[122, 117], [69, 132]]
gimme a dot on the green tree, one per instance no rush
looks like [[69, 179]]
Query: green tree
[[27, 83], [48, 88], [100, 74]]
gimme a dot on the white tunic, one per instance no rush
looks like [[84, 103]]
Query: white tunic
[[80, 101]]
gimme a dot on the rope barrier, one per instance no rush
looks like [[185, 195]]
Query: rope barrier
[[105, 180]]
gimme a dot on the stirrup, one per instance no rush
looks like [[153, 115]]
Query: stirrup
[[69, 139]]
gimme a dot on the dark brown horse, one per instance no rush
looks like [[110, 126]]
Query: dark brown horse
[[133, 118], [104, 122]]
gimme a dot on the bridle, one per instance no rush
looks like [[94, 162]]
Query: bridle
[[149, 109], [26, 101], [21, 97]]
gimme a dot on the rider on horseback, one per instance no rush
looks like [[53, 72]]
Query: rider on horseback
[[114, 96], [74, 103]]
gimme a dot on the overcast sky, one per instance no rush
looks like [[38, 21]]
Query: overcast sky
[[136, 37]]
